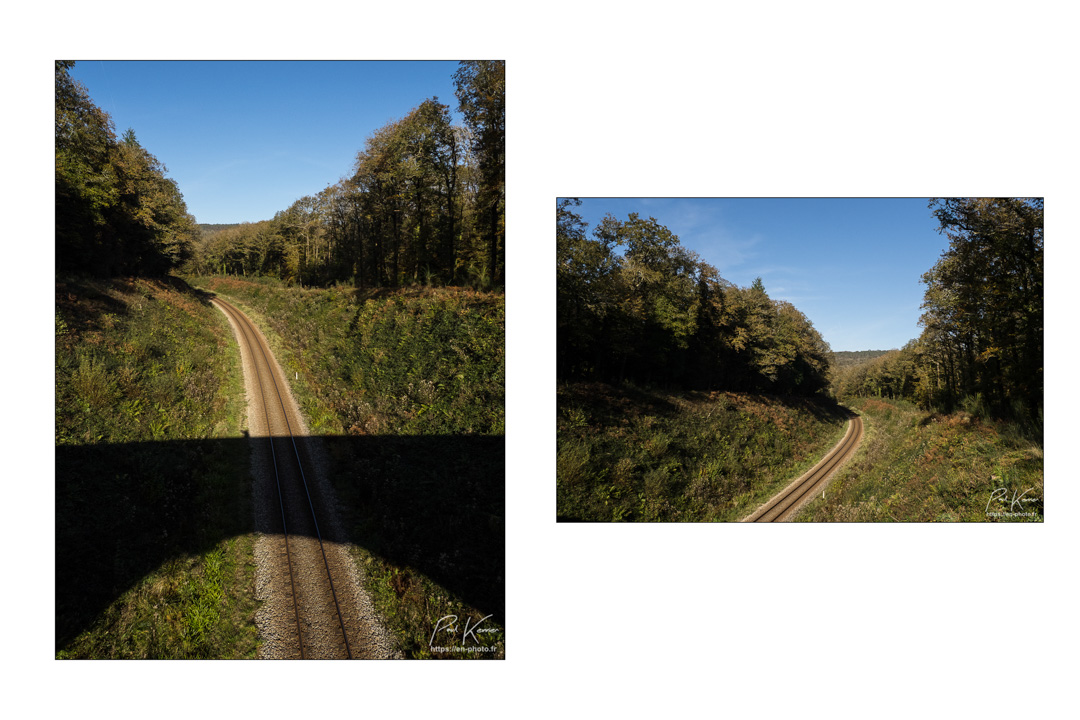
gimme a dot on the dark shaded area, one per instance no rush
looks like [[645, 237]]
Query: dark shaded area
[[823, 407], [81, 302], [610, 403], [431, 503], [82, 305], [124, 509], [434, 504]]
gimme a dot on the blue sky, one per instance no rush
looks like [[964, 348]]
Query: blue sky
[[852, 266], [246, 139]]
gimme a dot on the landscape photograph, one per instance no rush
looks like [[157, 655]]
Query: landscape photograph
[[279, 360], [821, 360], [308, 351]]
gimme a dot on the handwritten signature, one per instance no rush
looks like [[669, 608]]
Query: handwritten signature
[[1017, 500], [448, 623]]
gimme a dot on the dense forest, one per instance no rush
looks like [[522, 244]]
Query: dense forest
[[633, 304], [981, 347], [424, 203]]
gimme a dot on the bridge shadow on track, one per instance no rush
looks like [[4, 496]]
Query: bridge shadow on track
[[434, 504]]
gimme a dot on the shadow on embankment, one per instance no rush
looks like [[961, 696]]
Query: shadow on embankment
[[434, 504]]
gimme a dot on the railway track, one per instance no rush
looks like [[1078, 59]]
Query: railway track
[[307, 582], [783, 506]]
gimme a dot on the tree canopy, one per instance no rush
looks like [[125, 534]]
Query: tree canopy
[[633, 303]]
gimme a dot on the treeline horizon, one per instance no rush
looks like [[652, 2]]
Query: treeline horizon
[[981, 348], [633, 304], [425, 202]]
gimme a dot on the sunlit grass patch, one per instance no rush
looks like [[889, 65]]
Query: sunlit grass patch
[[414, 361], [920, 467]]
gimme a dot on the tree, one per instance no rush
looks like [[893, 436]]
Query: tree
[[151, 219], [429, 166], [658, 308], [587, 293], [481, 92], [85, 184], [381, 176]]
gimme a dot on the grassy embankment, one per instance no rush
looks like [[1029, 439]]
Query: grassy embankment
[[631, 454], [153, 516], [914, 466], [406, 388]]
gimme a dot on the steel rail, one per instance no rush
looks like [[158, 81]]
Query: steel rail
[[783, 505], [248, 330]]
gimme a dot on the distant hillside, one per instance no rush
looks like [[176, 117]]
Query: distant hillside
[[849, 358], [207, 229]]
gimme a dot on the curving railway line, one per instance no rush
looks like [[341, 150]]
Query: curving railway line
[[315, 608], [783, 506]]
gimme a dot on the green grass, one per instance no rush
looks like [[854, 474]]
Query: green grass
[[153, 497], [634, 454], [407, 362], [919, 467], [406, 389]]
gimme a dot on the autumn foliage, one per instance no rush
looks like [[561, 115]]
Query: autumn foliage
[[633, 304], [423, 206]]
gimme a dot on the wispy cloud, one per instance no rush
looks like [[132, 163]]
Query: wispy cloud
[[703, 227]]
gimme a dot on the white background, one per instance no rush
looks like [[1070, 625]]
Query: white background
[[663, 98]]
